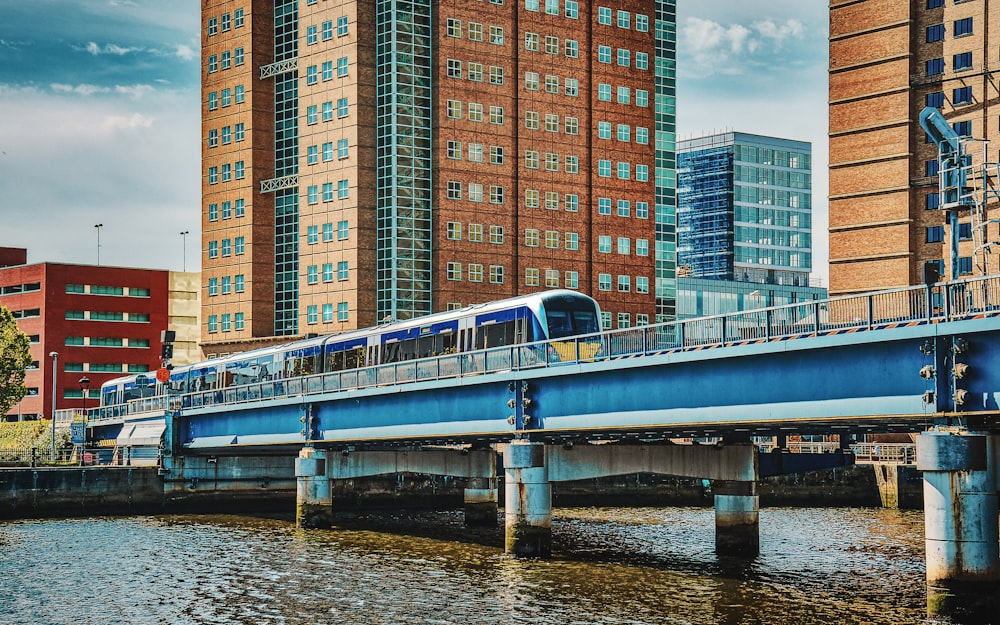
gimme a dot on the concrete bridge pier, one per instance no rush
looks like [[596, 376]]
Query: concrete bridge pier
[[313, 493], [481, 502], [737, 523], [961, 525], [527, 501]]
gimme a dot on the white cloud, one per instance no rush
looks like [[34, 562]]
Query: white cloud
[[84, 90], [135, 91], [186, 53], [778, 33], [714, 48], [135, 120], [110, 48]]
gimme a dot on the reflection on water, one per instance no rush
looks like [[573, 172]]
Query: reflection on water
[[611, 565]]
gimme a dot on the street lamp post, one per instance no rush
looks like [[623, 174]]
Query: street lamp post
[[85, 390], [184, 241], [98, 226], [55, 367]]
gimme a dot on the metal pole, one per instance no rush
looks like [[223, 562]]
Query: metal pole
[[184, 240], [55, 361], [98, 226]]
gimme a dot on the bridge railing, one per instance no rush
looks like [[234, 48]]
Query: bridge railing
[[919, 304], [885, 453]]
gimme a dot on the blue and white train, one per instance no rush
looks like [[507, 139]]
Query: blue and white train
[[538, 317]]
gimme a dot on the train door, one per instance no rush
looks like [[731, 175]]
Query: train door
[[466, 333], [372, 351]]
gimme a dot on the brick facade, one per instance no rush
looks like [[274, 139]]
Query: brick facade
[[883, 58]]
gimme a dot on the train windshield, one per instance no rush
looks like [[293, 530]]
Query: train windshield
[[571, 318]]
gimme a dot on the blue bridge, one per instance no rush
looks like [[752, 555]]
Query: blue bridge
[[921, 359]]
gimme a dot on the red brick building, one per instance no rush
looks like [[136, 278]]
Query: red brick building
[[363, 160], [104, 322]]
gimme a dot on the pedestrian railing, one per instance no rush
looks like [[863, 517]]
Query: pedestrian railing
[[871, 311]]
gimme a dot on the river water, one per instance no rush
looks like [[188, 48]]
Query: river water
[[610, 566]]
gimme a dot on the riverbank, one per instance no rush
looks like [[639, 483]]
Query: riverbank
[[90, 491]]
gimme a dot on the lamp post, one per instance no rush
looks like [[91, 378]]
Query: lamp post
[[98, 226], [85, 390], [184, 240], [55, 362]]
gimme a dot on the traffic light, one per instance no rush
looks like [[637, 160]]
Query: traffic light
[[167, 352]]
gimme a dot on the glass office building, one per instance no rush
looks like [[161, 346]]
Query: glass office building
[[744, 209]]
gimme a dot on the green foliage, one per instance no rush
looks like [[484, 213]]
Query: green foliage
[[14, 360]]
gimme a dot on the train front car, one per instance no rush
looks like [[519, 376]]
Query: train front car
[[571, 315]]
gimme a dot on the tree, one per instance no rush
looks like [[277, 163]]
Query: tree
[[14, 360]]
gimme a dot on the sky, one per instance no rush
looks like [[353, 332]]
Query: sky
[[100, 104]]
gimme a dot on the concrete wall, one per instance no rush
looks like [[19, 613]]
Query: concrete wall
[[79, 491]]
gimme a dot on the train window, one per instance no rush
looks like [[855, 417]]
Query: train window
[[570, 318]]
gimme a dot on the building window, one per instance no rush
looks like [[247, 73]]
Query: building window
[[496, 235], [327, 313], [475, 31], [624, 284], [552, 239], [531, 237], [604, 282], [240, 245], [936, 32], [454, 231], [572, 240], [604, 244], [343, 230], [342, 26], [624, 246], [496, 274], [935, 234], [624, 57], [240, 286], [963, 128], [312, 274], [475, 272], [962, 27], [213, 323], [962, 95], [476, 233], [342, 311], [962, 61], [604, 16], [531, 159], [455, 271], [572, 126], [933, 201], [965, 265], [642, 247], [604, 54], [454, 27], [213, 286], [936, 99], [531, 276], [532, 42], [571, 48], [935, 66], [213, 212], [623, 320]]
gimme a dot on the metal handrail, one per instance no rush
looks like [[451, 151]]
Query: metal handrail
[[885, 453], [870, 311]]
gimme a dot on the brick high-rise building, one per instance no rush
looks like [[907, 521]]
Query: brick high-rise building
[[888, 60], [366, 160]]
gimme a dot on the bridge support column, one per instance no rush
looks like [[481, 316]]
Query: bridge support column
[[737, 524], [888, 477], [961, 526], [481, 502], [527, 501], [313, 495]]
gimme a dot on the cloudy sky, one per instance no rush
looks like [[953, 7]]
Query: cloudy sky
[[99, 105]]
